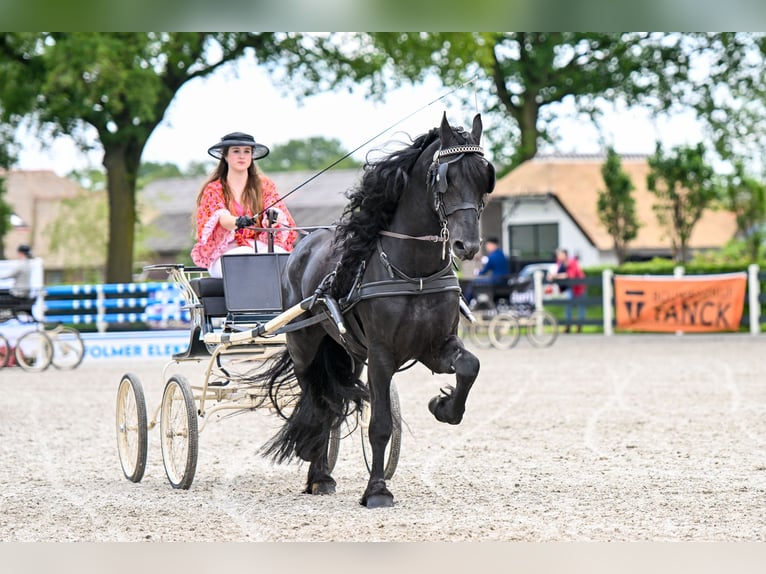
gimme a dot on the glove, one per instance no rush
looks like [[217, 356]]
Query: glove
[[244, 221]]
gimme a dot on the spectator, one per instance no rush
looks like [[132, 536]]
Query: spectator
[[22, 274], [569, 269], [493, 272]]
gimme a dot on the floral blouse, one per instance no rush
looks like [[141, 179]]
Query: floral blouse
[[213, 240]]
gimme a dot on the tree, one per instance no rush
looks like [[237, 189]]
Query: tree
[[616, 205], [525, 74], [684, 185], [120, 84], [746, 197], [6, 160], [311, 154]]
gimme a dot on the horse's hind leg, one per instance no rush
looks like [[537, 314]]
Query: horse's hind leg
[[453, 358]]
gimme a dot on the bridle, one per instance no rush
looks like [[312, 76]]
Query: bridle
[[437, 185]]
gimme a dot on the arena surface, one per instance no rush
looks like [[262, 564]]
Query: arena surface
[[628, 438]]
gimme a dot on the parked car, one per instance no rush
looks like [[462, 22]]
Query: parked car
[[527, 273]]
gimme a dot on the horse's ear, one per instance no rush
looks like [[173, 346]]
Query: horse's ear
[[476, 129], [446, 134]]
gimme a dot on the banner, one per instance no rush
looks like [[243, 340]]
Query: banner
[[692, 304]]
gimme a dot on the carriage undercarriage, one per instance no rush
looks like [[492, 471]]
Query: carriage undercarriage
[[233, 341]]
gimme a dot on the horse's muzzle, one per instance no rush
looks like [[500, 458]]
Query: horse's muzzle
[[465, 250]]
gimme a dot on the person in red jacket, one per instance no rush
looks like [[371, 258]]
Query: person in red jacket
[[569, 268]]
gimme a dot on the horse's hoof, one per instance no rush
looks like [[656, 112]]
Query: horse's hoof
[[436, 406], [379, 501], [323, 488]]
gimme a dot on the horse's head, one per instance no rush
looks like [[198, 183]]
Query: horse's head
[[458, 180]]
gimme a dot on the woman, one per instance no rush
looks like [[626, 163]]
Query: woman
[[234, 197]]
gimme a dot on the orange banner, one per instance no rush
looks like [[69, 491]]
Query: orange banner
[[693, 304]]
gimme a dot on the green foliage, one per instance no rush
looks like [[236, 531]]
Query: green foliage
[[79, 232], [523, 75], [616, 205], [6, 160], [685, 186], [746, 197], [120, 84], [311, 154]]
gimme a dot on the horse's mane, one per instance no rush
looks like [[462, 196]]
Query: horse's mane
[[371, 206]]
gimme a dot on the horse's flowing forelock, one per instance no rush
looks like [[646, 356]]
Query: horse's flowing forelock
[[372, 204]]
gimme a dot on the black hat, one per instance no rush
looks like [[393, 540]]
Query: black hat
[[238, 139], [26, 249]]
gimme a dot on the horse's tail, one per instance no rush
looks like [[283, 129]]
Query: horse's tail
[[329, 392]]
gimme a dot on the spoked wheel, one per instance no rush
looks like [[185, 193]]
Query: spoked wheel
[[178, 432], [542, 328], [68, 348], [5, 352], [394, 444], [131, 427], [504, 331], [480, 334], [34, 351]]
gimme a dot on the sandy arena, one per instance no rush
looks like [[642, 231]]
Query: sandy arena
[[628, 438]]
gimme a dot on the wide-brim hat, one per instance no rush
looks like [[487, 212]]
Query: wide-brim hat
[[238, 139]]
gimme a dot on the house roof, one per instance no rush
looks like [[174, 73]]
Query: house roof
[[575, 182], [36, 196]]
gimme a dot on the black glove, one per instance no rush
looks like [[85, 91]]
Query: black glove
[[244, 221]]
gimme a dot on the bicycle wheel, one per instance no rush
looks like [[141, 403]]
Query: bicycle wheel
[[504, 331], [5, 352], [179, 436], [131, 427], [34, 351], [542, 328], [68, 348], [479, 332], [394, 444]]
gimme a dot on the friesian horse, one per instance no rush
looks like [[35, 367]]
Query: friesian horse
[[387, 268]]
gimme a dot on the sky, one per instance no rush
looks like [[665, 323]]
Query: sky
[[242, 98]]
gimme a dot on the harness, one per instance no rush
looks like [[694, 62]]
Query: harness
[[445, 280]]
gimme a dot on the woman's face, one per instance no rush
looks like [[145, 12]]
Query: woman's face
[[239, 158]]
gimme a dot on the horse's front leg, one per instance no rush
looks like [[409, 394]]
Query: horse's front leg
[[453, 357], [379, 372]]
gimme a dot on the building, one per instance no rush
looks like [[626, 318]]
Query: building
[[551, 201], [36, 198]]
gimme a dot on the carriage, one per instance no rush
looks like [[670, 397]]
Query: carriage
[[503, 311], [234, 330], [373, 295], [29, 343]]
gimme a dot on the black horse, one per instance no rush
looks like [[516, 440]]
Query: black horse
[[391, 296]]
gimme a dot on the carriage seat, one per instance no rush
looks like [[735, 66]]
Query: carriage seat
[[209, 290]]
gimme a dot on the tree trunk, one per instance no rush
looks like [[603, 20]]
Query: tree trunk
[[529, 114], [121, 165]]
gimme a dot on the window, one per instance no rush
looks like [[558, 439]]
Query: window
[[535, 241]]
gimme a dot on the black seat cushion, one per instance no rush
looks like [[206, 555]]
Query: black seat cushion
[[210, 293]]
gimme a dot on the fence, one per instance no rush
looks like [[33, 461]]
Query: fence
[[102, 305], [601, 304], [161, 303]]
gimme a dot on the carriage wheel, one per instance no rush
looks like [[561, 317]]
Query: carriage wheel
[[178, 432], [131, 427], [394, 444], [504, 331], [333, 449], [480, 334], [5, 352], [542, 328], [34, 351], [68, 348]]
